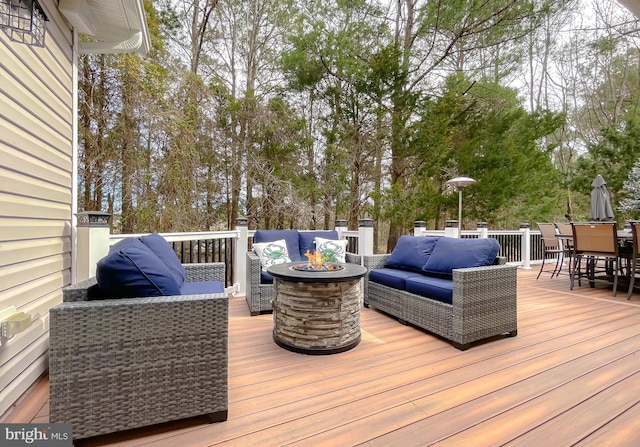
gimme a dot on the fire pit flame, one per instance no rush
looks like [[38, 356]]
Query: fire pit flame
[[316, 263]]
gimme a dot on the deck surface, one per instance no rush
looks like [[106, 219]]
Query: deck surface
[[570, 377]]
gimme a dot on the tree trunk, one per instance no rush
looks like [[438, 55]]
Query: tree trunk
[[128, 147]]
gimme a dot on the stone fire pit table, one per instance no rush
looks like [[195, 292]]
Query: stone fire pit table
[[316, 312]]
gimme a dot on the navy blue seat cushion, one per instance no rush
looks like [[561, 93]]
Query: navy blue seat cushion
[[453, 253], [307, 240], [290, 237], [412, 252], [131, 269], [391, 277], [163, 250], [265, 278], [201, 287], [440, 289]]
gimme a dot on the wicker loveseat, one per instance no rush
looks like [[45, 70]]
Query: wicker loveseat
[[122, 363], [460, 304], [260, 290]]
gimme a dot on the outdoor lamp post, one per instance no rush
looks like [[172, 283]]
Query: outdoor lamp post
[[459, 183]]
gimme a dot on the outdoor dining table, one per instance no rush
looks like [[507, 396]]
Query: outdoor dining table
[[625, 250], [625, 238]]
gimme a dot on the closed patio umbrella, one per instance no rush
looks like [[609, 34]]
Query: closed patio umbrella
[[601, 209]]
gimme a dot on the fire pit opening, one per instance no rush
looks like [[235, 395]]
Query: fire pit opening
[[317, 263]]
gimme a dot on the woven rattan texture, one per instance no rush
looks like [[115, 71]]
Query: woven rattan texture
[[484, 303], [118, 364]]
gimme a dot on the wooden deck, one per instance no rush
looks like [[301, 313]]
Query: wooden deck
[[571, 377]]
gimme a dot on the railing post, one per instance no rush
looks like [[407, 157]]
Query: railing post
[[93, 242], [418, 227], [341, 227], [483, 229], [451, 228], [240, 259], [365, 237], [526, 246]]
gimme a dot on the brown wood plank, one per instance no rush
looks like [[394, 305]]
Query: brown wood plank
[[512, 423], [468, 415], [386, 400], [580, 421], [31, 404], [621, 431]]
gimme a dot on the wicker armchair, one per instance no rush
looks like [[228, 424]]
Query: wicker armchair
[[260, 296], [484, 303], [118, 364]]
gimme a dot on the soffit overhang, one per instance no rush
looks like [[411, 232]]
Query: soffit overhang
[[113, 26]]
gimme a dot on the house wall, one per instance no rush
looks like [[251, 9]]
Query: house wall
[[36, 194]]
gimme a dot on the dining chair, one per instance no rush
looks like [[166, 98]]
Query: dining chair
[[551, 248], [565, 236], [592, 243], [634, 257]]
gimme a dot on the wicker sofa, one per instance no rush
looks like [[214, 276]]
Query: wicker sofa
[[462, 305], [123, 363], [260, 291]]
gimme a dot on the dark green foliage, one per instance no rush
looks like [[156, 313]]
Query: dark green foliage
[[478, 130]]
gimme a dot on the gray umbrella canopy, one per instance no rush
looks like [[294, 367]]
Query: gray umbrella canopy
[[601, 209]]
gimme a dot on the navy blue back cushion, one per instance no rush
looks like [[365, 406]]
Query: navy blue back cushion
[[290, 237], [133, 270], [163, 250], [453, 253], [412, 252], [307, 240]]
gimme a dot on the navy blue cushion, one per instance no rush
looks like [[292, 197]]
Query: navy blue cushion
[[265, 278], [412, 252], [201, 287], [391, 277], [306, 240], [131, 269], [453, 253], [290, 237], [439, 289], [163, 250]]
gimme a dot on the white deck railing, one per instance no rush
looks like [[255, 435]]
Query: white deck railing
[[521, 247]]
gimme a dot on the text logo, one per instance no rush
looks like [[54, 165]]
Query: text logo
[[37, 435]]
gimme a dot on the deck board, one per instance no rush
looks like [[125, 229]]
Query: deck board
[[571, 375]]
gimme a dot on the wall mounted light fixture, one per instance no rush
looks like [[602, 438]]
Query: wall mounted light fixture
[[23, 21]]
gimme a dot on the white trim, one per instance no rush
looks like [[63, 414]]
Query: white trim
[[79, 13], [134, 43], [234, 289], [632, 5], [184, 236], [74, 158], [118, 26]]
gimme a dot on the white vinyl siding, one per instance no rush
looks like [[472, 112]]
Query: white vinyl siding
[[36, 129]]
